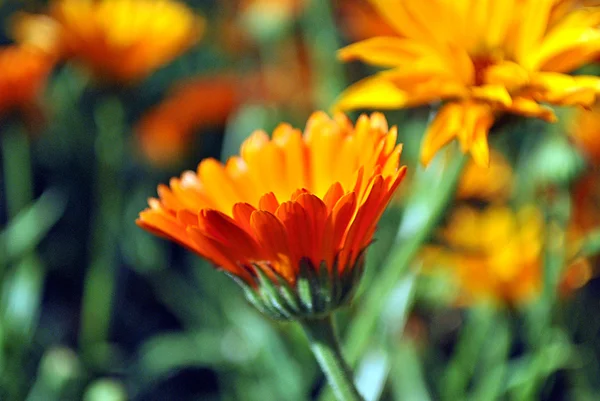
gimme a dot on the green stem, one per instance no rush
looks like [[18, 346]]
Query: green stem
[[16, 161], [325, 346], [24, 281], [100, 279], [320, 31]]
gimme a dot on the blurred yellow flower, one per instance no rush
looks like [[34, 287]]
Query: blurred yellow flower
[[493, 183], [496, 255], [23, 73], [124, 40], [482, 56], [38, 31]]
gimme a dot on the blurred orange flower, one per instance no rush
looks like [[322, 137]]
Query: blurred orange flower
[[584, 128], [165, 132], [586, 205], [493, 183], [496, 255], [124, 40], [289, 206], [484, 57], [23, 75]]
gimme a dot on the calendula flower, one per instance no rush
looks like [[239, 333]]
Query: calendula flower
[[492, 183], [482, 57], [124, 40], [23, 73], [291, 217], [496, 255], [166, 131]]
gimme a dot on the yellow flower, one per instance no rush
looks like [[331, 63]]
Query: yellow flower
[[491, 183], [483, 57], [295, 212], [496, 255], [37, 31], [124, 40]]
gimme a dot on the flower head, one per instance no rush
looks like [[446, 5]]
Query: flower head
[[124, 40], [291, 217], [497, 255], [483, 57], [23, 74]]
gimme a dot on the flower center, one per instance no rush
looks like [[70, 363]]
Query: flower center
[[481, 64]]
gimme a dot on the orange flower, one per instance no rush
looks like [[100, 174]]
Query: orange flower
[[125, 40], [483, 57], [292, 216], [165, 132], [23, 75], [496, 255]]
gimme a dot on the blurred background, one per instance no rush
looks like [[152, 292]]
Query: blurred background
[[100, 104]]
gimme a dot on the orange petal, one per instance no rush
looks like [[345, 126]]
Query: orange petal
[[272, 237], [268, 202]]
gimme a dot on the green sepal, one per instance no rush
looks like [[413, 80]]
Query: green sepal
[[250, 293], [304, 285], [270, 294], [336, 283], [287, 293], [325, 286], [317, 291]]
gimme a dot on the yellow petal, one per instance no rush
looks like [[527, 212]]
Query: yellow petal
[[530, 108], [494, 94], [508, 74], [467, 121], [385, 51], [399, 18], [561, 89], [565, 50], [373, 92], [532, 24], [442, 130]]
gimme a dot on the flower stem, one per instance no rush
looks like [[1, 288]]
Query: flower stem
[[325, 346], [100, 278], [320, 32], [16, 162]]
